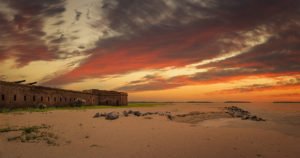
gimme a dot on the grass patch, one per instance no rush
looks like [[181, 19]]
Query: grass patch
[[32, 134], [7, 129], [31, 109], [25, 130]]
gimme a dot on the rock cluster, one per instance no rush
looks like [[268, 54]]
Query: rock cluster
[[108, 116], [243, 114], [116, 115], [233, 111]]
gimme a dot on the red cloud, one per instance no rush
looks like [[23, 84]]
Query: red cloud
[[148, 52]]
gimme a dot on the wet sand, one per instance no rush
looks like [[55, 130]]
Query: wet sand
[[80, 135]]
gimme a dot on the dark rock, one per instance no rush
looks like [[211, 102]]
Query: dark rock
[[161, 114], [112, 116], [125, 113], [170, 117], [240, 113], [245, 117], [103, 114], [137, 113], [254, 118], [97, 115], [237, 114]]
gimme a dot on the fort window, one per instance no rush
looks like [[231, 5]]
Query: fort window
[[33, 98], [54, 99], [15, 97], [60, 99], [65, 99], [3, 97], [42, 99], [48, 99], [25, 98]]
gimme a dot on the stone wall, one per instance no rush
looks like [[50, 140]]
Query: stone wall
[[14, 95], [109, 97]]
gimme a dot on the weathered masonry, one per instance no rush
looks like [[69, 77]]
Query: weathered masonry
[[14, 95]]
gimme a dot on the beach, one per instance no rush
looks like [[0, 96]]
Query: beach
[[78, 134]]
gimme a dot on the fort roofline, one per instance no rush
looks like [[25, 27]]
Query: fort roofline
[[15, 94], [104, 92]]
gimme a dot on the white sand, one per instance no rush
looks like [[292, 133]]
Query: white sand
[[81, 135]]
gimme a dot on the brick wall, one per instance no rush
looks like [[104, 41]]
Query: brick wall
[[14, 95]]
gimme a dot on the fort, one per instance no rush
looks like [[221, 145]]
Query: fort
[[18, 95]]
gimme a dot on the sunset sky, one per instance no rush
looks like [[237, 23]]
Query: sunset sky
[[156, 50]]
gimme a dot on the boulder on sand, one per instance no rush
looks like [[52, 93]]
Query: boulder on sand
[[125, 113], [112, 116], [97, 115], [137, 113]]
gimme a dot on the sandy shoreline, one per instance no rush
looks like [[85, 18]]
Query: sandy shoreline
[[81, 135]]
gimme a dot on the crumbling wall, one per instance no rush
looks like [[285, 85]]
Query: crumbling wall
[[110, 97], [14, 95]]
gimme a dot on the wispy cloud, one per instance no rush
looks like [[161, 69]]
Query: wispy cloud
[[206, 42]]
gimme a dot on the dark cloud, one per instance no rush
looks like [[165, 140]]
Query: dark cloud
[[22, 35], [197, 26], [134, 16], [292, 83], [157, 34], [280, 54]]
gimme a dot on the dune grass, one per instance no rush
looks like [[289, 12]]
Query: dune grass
[[31, 109]]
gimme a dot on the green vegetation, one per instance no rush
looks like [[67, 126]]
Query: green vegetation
[[32, 134], [7, 129], [25, 130], [130, 105]]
